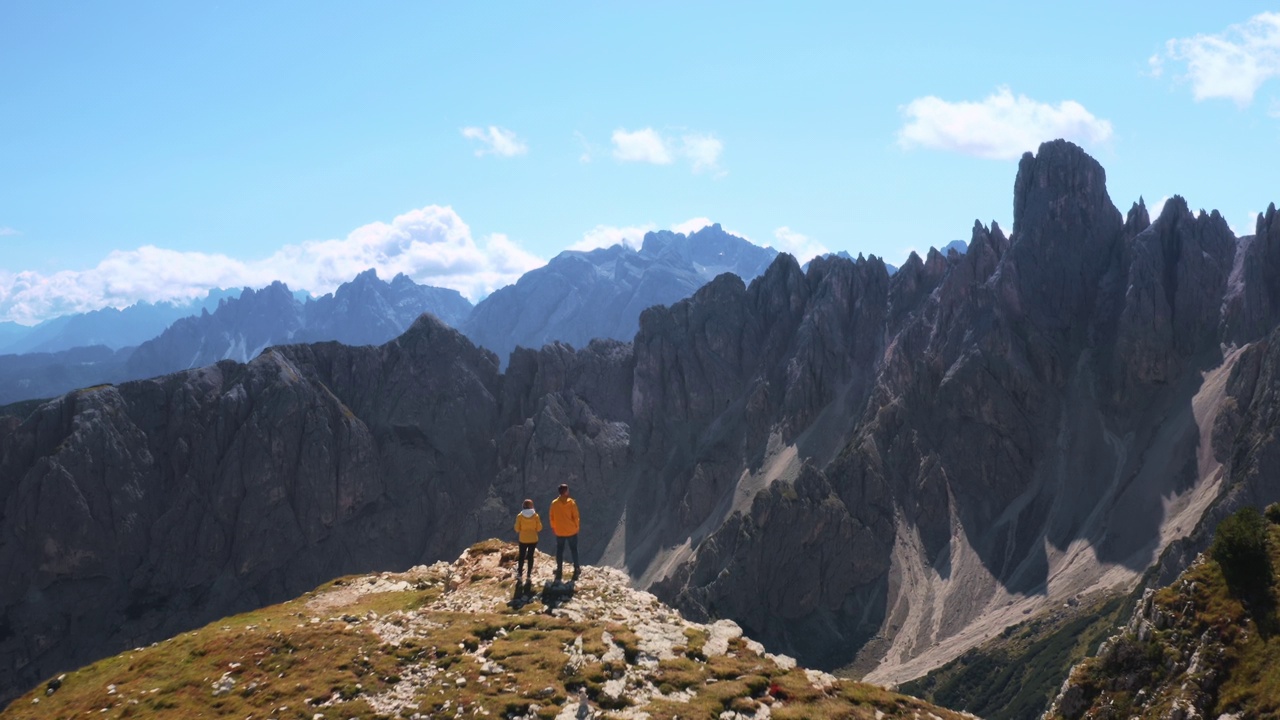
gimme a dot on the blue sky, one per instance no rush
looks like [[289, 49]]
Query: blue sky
[[151, 150]]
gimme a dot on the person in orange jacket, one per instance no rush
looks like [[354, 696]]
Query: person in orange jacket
[[528, 524], [564, 523]]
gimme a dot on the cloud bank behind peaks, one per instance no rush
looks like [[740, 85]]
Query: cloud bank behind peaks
[[432, 245], [1001, 126]]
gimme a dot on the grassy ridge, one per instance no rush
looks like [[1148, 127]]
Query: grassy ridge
[[460, 641]]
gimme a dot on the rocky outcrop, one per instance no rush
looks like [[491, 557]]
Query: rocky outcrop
[[856, 467], [579, 296]]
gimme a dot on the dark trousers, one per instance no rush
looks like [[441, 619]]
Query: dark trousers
[[526, 551], [572, 541]]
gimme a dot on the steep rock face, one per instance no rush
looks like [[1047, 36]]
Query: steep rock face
[[185, 493], [143, 508], [1176, 280], [601, 294], [1254, 296], [856, 467]]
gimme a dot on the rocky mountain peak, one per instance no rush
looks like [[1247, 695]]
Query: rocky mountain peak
[[579, 296], [1059, 175], [1138, 218], [1065, 235]]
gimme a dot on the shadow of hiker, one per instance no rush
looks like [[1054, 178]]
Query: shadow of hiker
[[555, 594], [521, 595]]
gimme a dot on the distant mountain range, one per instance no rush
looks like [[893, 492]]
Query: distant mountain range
[[574, 298], [365, 311], [109, 327], [579, 296]]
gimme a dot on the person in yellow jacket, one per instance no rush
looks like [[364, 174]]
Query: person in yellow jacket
[[564, 523], [528, 525]]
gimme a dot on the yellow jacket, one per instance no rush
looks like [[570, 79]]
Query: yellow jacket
[[528, 527], [564, 517]]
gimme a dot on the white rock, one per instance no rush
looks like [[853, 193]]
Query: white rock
[[223, 685], [785, 662], [719, 633]]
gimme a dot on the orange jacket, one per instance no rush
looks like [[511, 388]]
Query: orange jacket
[[564, 517], [528, 527]]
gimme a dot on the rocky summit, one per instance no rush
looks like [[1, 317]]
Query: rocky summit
[[463, 640], [871, 473]]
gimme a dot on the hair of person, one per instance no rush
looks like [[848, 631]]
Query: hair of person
[[528, 503], [563, 488]]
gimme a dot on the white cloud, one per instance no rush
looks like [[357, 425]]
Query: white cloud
[[692, 225], [802, 247], [432, 245], [1156, 63], [1232, 64], [602, 236], [703, 151], [1000, 126], [8, 232], [641, 146], [495, 141]]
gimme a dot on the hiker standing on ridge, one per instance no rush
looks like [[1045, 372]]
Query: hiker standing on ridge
[[564, 523], [527, 526]]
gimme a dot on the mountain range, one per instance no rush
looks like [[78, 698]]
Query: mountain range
[[111, 328], [577, 296], [873, 473]]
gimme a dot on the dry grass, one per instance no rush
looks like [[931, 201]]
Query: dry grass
[[329, 653]]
